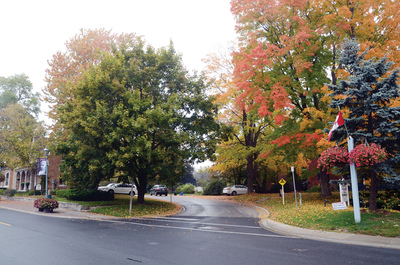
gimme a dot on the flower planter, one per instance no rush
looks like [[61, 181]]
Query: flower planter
[[46, 205]]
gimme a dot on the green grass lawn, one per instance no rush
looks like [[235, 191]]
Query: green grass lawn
[[119, 207], [314, 215]]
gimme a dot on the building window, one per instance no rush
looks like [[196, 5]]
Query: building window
[[7, 177]]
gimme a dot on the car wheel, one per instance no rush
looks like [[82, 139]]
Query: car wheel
[[111, 191], [133, 193], [166, 194], [234, 193]]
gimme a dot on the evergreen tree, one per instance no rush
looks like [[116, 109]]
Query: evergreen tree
[[187, 177], [368, 93]]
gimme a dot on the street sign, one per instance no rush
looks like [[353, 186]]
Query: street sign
[[339, 206], [282, 182]]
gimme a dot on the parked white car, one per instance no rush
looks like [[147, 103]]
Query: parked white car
[[119, 188], [235, 190]]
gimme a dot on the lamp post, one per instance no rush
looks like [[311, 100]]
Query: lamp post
[[46, 153]]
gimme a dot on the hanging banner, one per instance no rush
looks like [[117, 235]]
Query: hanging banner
[[41, 167]]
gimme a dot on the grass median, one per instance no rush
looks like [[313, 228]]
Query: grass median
[[119, 207], [315, 213]]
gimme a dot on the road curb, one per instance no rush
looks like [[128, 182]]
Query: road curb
[[334, 237]]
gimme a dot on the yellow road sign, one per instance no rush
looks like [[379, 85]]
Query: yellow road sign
[[282, 182]]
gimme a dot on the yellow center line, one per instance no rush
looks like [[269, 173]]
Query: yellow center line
[[5, 224]]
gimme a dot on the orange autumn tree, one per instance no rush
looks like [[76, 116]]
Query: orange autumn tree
[[287, 48], [82, 51], [240, 150], [281, 67]]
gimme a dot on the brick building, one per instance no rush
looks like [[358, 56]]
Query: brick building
[[25, 179]]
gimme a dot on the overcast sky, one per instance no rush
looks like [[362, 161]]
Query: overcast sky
[[32, 31]]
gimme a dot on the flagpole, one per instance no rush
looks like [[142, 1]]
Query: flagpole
[[344, 124], [354, 184]]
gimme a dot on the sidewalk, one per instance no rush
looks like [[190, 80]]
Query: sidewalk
[[64, 211]]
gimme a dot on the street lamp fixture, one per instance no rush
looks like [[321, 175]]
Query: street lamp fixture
[[1, 165], [46, 153]]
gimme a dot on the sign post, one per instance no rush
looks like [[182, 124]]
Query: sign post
[[282, 182]]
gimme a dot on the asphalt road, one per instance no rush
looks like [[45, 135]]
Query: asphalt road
[[207, 232]]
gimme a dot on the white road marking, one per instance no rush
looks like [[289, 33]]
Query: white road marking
[[214, 224], [198, 229]]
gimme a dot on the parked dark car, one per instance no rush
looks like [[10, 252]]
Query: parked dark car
[[159, 190]]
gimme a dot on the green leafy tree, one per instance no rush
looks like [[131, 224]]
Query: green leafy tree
[[21, 137], [140, 113], [368, 94], [18, 89]]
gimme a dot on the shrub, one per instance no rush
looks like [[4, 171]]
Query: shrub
[[85, 195], [10, 192], [186, 189], [34, 192], [214, 188], [61, 193], [314, 189], [388, 200]]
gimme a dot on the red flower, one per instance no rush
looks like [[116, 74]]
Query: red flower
[[367, 155], [332, 157]]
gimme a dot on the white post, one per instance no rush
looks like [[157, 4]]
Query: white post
[[46, 153], [294, 187], [300, 199], [354, 184]]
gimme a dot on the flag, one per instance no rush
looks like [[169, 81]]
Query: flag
[[338, 122]]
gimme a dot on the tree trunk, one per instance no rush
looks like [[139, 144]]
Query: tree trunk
[[142, 183], [373, 191], [251, 173], [325, 189]]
